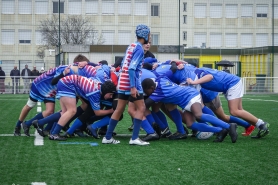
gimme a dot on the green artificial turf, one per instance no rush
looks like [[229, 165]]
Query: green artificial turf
[[190, 161]]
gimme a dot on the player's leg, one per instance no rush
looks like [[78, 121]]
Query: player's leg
[[236, 109], [68, 105], [195, 106], [122, 101], [23, 114], [136, 109]]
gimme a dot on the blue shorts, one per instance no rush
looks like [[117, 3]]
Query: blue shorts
[[64, 90], [35, 95]]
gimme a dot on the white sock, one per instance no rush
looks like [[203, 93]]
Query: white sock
[[259, 122]]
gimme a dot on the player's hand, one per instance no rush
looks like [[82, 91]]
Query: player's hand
[[133, 92], [66, 70], [189, 81], [180, 66], [97, 67], [155, 66]]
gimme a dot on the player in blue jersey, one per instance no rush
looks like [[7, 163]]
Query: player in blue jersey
[[130, 89], [211, 100], [43, 89], [189, 99], [231, 86], [89, 89]]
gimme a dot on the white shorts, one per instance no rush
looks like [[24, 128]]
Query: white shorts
[[235, 92], [196, 99]]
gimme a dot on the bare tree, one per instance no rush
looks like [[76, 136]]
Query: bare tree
[[73, 30]]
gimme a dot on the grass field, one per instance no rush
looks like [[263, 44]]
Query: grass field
[[190, 161]]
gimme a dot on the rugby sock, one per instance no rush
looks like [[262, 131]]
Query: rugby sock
[[162, 117], [205, 128], [111, 127], [18, 123], [52, 118], [76, 124], [214, 121], [49, 126], [161, 124], [150, 119], [38, 117], [259, 123], [147, 127], [103, 122], [207, 110], [239, 122], [175, 114], [53, 127], [57, 129], [136, 128]]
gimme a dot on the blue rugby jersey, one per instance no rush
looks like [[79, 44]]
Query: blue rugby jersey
[[147, 74], [168, 92], [221, 81]]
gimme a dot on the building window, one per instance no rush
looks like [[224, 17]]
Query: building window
[[200, 39], [262, 10], [275, 39], [231, 40], [216, 40], [155, 10], [276, 11], [124, 37], [246, 40], [200, 10], [108, 37], [56, 7], [184, 7], [7, 37], [185, 35], [91, 6], [24, 7], [108, 7], [24, 36], [75, 7], [39, 40], [246, 10], [124, 7], [261, 39], [215, 10], [141, 7], [184, 19], [41, 7], [7, 7], [92, 38], [155, 39], [231, 11]]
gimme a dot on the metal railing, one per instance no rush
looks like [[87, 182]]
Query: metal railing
[[15, 84], [251, 85]]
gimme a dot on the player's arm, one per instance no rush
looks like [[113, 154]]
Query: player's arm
[[56, 79], [103, 112], [204, 79]]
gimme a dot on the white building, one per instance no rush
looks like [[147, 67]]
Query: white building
[[191, 23]]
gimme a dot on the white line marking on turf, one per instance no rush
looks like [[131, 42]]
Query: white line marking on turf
[[4, 135], [38, 139], [39, 109], [259, 99], [38, 183]]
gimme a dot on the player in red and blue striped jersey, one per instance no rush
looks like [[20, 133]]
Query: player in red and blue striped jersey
[[130, 89], [90, 89], [44, 89]]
